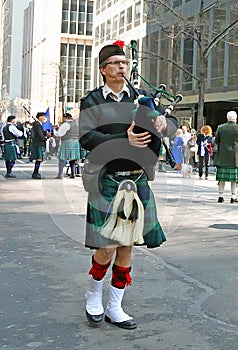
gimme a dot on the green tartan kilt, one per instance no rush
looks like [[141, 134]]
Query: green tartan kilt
[[10, 151], [227, 174], [38, 152], [69, 150], [99, 207]]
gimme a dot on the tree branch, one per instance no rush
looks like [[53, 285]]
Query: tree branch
[[220, 36], [153, 55]]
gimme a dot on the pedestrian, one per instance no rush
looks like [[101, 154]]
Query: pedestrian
[[193, 149], [204, 142], [226, 160], [177, 149], [10, 133], [69, 148], [186, 137], [107, 131], [38, 144]]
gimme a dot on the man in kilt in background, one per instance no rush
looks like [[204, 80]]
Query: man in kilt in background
[[227, 156], [69, 147], [10, 133], [124, 205], [38, 145]]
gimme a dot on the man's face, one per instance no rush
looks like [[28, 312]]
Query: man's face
[[114, 69], [42, 119]]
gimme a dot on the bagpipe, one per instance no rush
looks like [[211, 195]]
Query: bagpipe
[[149, 107]]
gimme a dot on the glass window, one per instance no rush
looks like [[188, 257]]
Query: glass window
[[177, 3], [72, 29], [73, 16], [81, 28], [66, 5], [89, 29], [137, 13], [102, 31], [71, 50], [74, 5], [114, 26], [64, 27], [65, 15], [233, 62], [63, 50], [82, 6], [108, 31], [90, 7], [129, 18], [122, 22]]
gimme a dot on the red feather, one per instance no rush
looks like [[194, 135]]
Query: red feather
[[119, 43]]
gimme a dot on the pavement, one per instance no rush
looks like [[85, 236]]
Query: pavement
[[184, 294]]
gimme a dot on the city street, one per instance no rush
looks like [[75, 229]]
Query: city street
[[183, 294]]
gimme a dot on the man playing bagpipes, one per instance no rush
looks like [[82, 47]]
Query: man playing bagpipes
[[121, 208]]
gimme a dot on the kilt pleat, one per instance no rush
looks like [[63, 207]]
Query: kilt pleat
[[227, 174], [99, 207], [69, 150]]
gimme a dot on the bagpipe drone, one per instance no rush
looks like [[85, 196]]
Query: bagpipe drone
[[149, 107]]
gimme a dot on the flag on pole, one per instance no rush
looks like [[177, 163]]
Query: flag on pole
[[47, 126]]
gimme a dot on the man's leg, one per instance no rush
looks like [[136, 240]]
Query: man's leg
[[120, 279], [101, 261], [61, 169], [221, 186], [72, 167], [36, 174], [233, 193]]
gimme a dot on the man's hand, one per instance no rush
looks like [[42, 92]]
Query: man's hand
[[138, 140], [160, 123]]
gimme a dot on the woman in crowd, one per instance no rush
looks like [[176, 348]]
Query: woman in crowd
[[204, 142]]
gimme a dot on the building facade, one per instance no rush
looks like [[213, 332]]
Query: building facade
[[168, 49], [57, 54], [12, 31]]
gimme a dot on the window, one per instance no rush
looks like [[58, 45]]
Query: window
[[122, 22], [114, 26], [66, 5], [137, 13], [108, 31], [129, 18]]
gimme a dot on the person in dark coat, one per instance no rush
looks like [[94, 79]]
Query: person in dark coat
[[38, 144], [226, 159], [204, 142], [124, 205], [10, 133]]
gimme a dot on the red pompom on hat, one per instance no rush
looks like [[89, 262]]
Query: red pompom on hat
[[111, 50]]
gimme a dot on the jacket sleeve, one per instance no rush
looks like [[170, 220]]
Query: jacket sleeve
[[40, 133]]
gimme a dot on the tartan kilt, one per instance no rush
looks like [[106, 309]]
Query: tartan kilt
[[10, 151], [99, 206], [69, 150], [227, 174], [38, 152]]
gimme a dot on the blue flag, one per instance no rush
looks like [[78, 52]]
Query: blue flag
[[47, 126]]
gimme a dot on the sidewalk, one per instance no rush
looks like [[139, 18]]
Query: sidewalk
[[184, 294]]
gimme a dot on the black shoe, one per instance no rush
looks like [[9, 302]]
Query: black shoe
[[36, 176], [234, 200], [220, 200], [129, 324], [10, 175], [72, 177], [94, 320]]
